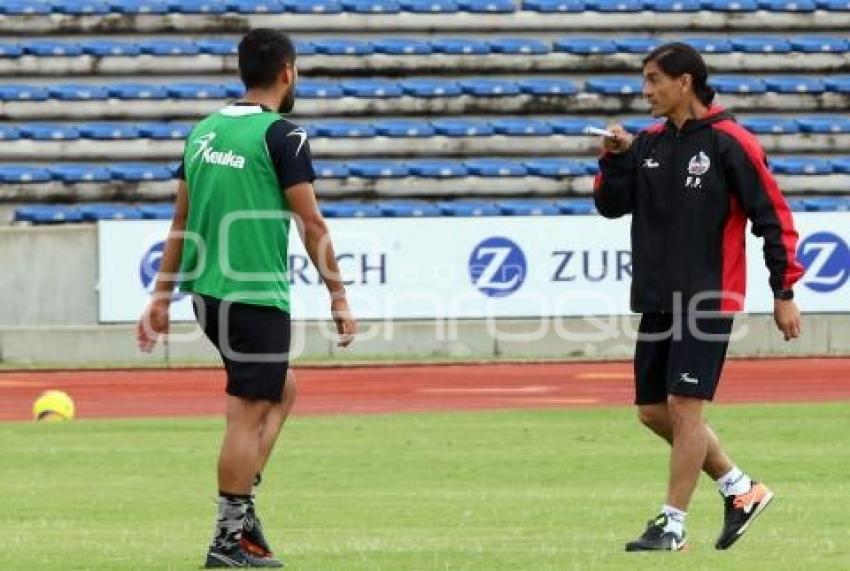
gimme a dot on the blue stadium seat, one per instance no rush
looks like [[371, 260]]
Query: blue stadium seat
[[137, 91], [591, 166], [23, 174], [139, 6], [525, 46], [614, 5], [161, 47], [574, 125], [710, 45], [9, 133], [11, 92], [51, 48], [730, 5], [94, 212], [824, 124], [344, 129], [81, 92], [794, 84], [371, 88], [255, 6], [840, 164], [8, 50], [303, 48], [80, 7], [196, 91], [430, 6], [371, 6], [495, 167], [219, 47], [403, 128], [487, 6], [433, 168], [71, 173], [313, 6], [585, 46], [401, 46], [159, 211], [553, 6], [378, 169], [827, 204], [47, 214], [48, 132], [614, 85], [351, 210], [520, 207], [837, 83], [760, 45], [555, 168], [637, 45], [105, 131], [339, 47], [489, 87], [673, 5], [576, 206], [638, 124], [788, 5], [819, 44], [330, 169], [520, 126], [737, 84], [800, 165], [834, 5], [795, 204], [430, 88], [548, 86], [460, 46], [769, 125], [462, 127], [468, 208], [102, 48], [311, 89], [24, 8], [137, 172], [408, 208], [197, 6], [234, 89]]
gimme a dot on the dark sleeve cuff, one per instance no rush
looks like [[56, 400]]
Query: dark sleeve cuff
[[783, 294]]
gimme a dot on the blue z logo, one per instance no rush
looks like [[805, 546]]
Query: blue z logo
[[826, 258], [497, 267]]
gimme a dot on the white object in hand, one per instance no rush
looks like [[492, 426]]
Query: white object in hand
[[597, 131]]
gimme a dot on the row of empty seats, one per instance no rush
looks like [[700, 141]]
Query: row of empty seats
[[747, 44], [53, 214], [103, 7]]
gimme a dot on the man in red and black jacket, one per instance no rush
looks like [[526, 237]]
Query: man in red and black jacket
[[690, 185]]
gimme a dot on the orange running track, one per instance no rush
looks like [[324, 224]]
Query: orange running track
[[386, 389]]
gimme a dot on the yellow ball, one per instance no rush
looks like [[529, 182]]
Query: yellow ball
[[53, 406]]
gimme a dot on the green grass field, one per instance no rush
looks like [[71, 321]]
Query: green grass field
[[495, 490]]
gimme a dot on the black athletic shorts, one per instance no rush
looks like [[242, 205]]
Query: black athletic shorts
[[675, 357], [253, 341]]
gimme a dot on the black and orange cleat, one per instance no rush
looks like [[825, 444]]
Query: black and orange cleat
[[253, 541], [740, 512], [218, 558], [656, 539]]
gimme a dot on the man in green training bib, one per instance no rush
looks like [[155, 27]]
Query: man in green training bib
[[247, 173]]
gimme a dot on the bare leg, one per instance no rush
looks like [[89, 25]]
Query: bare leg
[[690, 447], [240, 449], [274, 421]]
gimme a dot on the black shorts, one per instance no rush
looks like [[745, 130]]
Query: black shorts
[[673, 357], [253, 341]]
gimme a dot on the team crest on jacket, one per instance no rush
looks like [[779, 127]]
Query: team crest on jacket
[[699, 164]]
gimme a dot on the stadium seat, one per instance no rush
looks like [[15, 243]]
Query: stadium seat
[[824, 124], [794, 84], [371, 6], [710, 45], [437, 169], [344, 129], [139, 6], [196, 91], [518, 207], [673, 5], [137, 172], [371, 88], [840, 164], [553, 6], [329, 169], [403, 128], [80, 7], [234, 89], [468, 208], [827, 204], [350, 210], [161, 47], [401, 46], [430, 88], [576, 206], [614, 5], [787, 5], [102, 48], [769, 125], [71, 173], [637, 45], [51, 48], [218, 47], [489, 87], [819, 44], [834, 5], [547, 86], [378, 169], [574, 125], [106, 131], [487, 6], [197, 6], [137, 91], [737, 84], [521, 126], [23, 174], [614, 85], [462, 127], [47, 214], [313, 6], [591, 166], [524, 46], [81, 92], [24, 8], [342, 47], [9, 133], [800, 165], [495, 167], [429, 6], [585, 46], [760, 45], [730, 5], [638, 124], [460, 46], [837, 83], [161, 211], [94, 212], [9, 50], [555, 168], [48, 132], [408, 208], [256, 6]]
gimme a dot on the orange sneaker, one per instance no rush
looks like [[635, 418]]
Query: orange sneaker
[[740, 512]]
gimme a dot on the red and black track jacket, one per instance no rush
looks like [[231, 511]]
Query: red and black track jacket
[[690, 193]]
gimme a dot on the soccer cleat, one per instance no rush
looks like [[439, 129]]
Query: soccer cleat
[[740, 511], [218, 558], [656, 539], [253, 541]]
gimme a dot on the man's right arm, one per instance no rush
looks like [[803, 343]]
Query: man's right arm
[[614, 184]]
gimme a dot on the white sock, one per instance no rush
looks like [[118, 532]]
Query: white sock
[[675, 519], [734, 483]]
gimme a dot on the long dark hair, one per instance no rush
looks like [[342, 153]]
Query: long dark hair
[[676, 59]]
